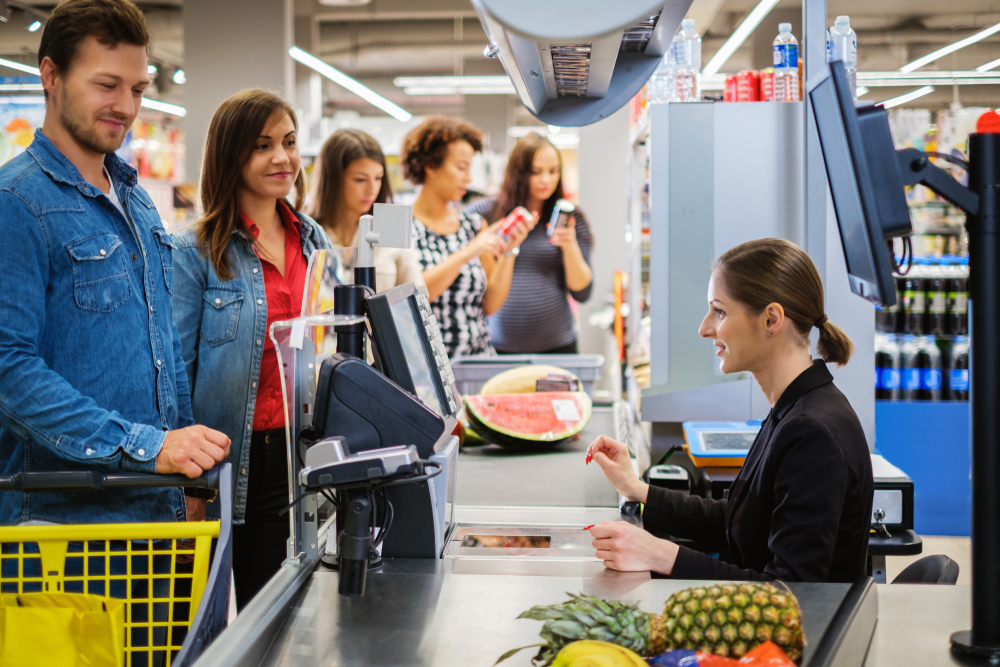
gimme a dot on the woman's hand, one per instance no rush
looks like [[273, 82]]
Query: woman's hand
[[628, 548], [614, 459], [520, 232], [487, 241], [565, 237]]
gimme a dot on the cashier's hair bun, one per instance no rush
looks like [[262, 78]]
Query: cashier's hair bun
[[426, 145], [765, 271]]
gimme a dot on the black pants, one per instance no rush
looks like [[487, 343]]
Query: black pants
[[260, 544], [565, 349]]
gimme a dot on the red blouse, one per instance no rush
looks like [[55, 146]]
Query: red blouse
[[284, 302]]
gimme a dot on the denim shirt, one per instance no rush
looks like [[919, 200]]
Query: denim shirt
[[222, 325], [91, 373]]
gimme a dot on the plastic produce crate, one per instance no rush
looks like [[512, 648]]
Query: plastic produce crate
[[471, 372]]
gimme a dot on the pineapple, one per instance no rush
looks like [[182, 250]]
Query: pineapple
[[724, 619]]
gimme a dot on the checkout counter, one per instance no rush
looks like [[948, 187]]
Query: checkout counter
[[458, 561]]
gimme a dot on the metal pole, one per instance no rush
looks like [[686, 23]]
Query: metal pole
[[984, 267]]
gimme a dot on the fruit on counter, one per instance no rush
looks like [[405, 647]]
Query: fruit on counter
[[728, 620], [766, 655], [593, 653], [528, 420], [526, 379]]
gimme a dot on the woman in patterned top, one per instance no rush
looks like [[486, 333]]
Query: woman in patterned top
[[467, 268]]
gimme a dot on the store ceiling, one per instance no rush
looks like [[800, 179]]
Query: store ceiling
[[387, 38]]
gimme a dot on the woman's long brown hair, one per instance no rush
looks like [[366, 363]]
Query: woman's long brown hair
[[516, 183], [340, 150], [232, 135]]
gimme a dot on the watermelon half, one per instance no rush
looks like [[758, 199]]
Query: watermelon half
[[529, 420]]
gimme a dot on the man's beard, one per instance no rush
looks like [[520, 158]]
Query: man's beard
[[76, 125]]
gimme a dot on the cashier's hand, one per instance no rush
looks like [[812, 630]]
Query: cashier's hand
[[628, 548], [191, 451], [616, 463]]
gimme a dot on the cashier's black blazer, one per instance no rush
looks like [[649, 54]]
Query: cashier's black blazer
[[800, 509]]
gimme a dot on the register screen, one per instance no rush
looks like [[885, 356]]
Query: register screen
[[422, 367]]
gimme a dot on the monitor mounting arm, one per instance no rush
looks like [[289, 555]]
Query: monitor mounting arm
[[916, 168]]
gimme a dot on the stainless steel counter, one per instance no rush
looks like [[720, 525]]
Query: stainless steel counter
[[420, 613], [556, 477]]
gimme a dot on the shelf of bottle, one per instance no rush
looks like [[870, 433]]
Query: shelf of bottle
[[897, 402]]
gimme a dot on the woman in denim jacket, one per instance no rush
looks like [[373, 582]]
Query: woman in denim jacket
[[238, 269]]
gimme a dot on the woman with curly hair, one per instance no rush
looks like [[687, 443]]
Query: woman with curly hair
[[467, 267]]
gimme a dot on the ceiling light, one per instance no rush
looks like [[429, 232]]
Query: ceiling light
[[414, 81], [4, 11], [353, 85], [736, 40], [861, 91], [151, 69], [21, 67], [165, 107], [459, 90], [988, 66], [908, 97], [951, 48], [10, 87], [179, 77], [34, 26], [965, 78]]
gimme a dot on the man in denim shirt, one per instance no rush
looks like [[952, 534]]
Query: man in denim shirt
[[91, 374]]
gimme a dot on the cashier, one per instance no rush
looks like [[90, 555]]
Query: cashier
[[800, 508]]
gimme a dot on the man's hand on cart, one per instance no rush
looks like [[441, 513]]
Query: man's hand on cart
[[192, 450]]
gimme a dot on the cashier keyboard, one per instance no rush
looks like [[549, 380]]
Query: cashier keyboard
[[445, 374]]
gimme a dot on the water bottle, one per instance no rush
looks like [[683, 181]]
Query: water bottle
[[843, 45], [910, 369], [936, 301], [887, 366], [958, 374], [686, 47], [931, 380], [661, 84], [786, 65]]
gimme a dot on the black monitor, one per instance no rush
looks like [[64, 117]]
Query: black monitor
[[410, 350], [865, 181]]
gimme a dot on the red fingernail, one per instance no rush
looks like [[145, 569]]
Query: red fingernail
[[589, 527]]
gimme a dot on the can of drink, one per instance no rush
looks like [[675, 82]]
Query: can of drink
[[747, 86], [766, 79], [562, 215], [729, 92], [519, 214]]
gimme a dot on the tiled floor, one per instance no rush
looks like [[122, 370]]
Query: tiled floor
[[959, 549]]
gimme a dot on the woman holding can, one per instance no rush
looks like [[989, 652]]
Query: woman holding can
[[554, 261]]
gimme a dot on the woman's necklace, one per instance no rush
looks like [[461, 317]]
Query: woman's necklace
[[277, 221]]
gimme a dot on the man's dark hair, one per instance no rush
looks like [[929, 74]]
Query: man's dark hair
[[111, 22]]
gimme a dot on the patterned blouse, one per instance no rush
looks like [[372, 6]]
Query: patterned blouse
[[459, 309]]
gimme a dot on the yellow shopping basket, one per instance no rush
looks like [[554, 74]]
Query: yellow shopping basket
[[176, 594]]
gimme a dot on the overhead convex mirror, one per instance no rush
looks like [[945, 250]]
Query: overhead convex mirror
[[575, 62]]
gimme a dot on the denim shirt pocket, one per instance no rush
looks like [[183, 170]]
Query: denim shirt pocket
[[165, 244], [221, 315], [100, 277]]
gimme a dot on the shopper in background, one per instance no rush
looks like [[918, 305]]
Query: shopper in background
[[239, 269], [536, 317], [350, 178], [467, 267], [91, 375], [800, 508]]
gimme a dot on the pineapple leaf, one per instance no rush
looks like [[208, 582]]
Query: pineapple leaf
[[512, 652], [551, 613], [568, 629]]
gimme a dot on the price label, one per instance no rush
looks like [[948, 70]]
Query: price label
[[565, 410]]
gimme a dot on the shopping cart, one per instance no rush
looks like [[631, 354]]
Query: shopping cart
[[162, 570]]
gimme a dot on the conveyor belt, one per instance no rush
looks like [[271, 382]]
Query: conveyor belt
[[557, 477]]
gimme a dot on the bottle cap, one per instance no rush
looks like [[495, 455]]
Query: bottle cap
[[843, 20], [784, 27], [687, 24]]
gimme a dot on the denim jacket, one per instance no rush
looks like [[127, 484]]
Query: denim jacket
[[222, 325], [91, 373]]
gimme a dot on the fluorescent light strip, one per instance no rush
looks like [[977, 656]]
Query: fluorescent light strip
[[908, 97], [20, 67], [353, 85], [993, 64], [413, 81], [960, 75], [165, 107], [459, 90], [10, 87], [740, 35], [861, 90], [951, 48]]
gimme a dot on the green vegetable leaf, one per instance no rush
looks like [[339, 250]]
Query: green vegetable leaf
[[512, 652]]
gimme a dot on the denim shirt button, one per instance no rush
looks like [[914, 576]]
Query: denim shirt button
[[258, 341], [150, 309], [260, 301], [89, 451], [243, 471], [218, 302], [255, 270], [103, 252], [159, 362], [141, 452]]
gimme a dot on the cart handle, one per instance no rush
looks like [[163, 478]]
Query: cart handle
[[94, 480]]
